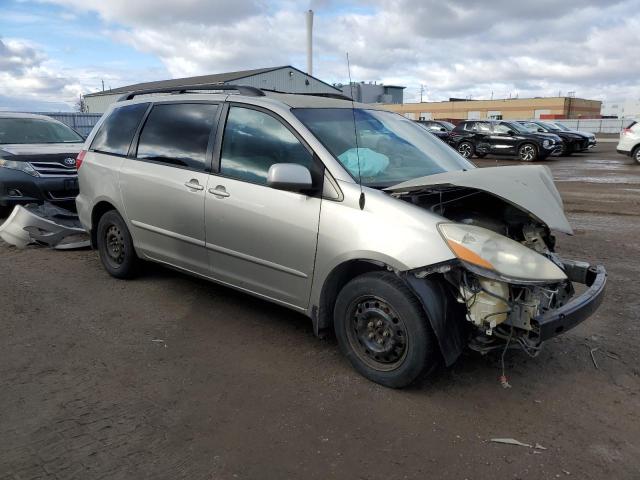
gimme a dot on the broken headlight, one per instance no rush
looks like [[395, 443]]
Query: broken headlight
[[22, 166], [495, 256]]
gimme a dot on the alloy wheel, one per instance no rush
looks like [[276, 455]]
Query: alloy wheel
[[527, 153], [376, 333], [464, 149]]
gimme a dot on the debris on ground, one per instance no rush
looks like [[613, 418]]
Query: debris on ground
[[46, 225], [510, 441], [593, 358]]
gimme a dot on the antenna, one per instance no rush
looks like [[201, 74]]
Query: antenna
[[355, 133]]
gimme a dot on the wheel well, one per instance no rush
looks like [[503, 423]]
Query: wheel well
[[338, 278], [98, 211]]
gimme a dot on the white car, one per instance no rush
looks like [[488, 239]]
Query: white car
[[629, 143]]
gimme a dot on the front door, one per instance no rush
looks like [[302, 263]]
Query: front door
[[261, 239], [503, 140], [164, 184]]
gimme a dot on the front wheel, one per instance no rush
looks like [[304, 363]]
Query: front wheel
[[383, 330], [466, 149], [528, 152], [636, 154], [115, 246]]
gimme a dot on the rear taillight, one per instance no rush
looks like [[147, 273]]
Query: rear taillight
[[80, 158], [625, 131]]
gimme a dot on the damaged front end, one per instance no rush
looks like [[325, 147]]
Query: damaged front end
[[46, 225], [514, 289]]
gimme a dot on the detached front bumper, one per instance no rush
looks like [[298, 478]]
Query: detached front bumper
[[579, 308]]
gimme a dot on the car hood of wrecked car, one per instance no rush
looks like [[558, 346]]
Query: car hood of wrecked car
[[529, 187]]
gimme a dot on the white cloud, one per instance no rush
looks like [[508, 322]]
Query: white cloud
[[454, 48]]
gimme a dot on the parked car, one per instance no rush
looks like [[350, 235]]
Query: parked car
[[573, 140], [352, 215], [592, 142], [439, 128], [629, 143], [481, 137], [37, 161]]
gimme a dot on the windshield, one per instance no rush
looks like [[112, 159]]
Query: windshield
[[516, 127], [447, 125], [30, 130], [561, 127], [389, 149], [531, 127]]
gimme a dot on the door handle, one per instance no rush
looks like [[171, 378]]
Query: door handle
[[219, 192], [194, 185]]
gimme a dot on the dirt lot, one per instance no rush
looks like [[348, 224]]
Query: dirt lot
[[172, 377]]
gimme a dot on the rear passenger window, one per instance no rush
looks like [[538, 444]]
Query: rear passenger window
[[178, 134], [116, 132], [253, 141]]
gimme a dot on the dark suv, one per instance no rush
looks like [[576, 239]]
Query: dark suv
[[439, 128], [37, 161], [572, 141], [481, 137]]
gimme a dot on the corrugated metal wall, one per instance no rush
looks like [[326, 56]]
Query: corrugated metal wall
[[101, 103], [80, 122], [286, 80]]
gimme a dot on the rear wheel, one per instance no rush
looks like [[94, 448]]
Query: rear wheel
[[115, 246], [528, 152], [636, 154], [466, 149], [383, 330]]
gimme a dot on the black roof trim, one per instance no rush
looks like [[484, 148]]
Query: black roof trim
[[241, 89]]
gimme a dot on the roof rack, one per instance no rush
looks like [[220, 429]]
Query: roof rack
[[336, 96], [241, 89]]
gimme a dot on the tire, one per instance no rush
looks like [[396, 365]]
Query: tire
[[115, 246], [528, 152], [636, 154], [466, 149], [384, 331]]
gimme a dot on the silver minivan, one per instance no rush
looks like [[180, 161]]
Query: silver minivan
[[352, 215]]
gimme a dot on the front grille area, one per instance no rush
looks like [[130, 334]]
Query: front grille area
[[54, 169]]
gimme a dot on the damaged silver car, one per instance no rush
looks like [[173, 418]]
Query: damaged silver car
[[352, 215]]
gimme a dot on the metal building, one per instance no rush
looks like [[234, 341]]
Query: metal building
[[373, 92], [285, 79], [503, 109]]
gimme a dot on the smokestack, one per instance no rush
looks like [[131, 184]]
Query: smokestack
[[310, 42]]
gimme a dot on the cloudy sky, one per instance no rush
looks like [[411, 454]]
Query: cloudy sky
[[51, 51]]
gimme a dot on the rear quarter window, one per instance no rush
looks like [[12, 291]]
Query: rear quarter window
[[116, 133]]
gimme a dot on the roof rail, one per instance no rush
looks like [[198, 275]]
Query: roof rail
[[242, 89], [336, 96]]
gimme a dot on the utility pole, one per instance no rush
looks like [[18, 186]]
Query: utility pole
[[103, 85], [421, 91]]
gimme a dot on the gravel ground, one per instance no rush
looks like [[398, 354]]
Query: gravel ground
[[172, 377]]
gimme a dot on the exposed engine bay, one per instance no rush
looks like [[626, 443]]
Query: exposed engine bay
[[500, 310]]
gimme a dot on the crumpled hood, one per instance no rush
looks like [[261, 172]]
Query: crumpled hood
[[529, 187]]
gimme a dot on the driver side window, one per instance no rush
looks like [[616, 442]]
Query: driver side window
[[253, 141]]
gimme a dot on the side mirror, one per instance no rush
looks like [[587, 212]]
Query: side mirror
[[541, 130], [511, 132], [442, 129], [289, 176]]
